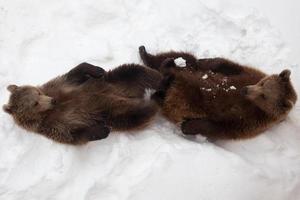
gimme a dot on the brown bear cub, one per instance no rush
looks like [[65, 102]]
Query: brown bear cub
[[86, 103], [218, 98]]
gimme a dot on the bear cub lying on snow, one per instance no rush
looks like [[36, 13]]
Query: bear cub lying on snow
[[218, 98], [86, 103]]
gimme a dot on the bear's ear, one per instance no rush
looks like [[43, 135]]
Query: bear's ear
[[7, 108], [285, 75], [287, 104], [12, 88]]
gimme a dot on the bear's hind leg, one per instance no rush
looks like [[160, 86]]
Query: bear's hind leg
[[83, 72], [134, 79], [135, 116], [92, 133], [148, 59], [155, 61]]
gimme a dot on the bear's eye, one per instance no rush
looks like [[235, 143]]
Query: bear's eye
[[263, 96], [36, 103]]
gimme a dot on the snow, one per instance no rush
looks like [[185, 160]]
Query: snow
[[205, 76], [180, 62], [285, 16], [232, 87], [42, 39]]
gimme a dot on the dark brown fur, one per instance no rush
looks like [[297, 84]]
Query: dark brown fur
[[84, 104], [211, 106]]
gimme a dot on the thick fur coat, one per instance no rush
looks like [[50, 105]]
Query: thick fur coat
[[218, 98], [86, 103]]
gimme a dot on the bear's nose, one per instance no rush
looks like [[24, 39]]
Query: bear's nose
[[53, 101], [244, 91]]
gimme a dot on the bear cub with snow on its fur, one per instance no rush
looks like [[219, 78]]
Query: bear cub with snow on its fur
[[218, 98]]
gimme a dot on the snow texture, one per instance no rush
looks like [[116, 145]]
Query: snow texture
[[180, 62], [42, 39]]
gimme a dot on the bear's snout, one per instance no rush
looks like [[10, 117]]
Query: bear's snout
[[252, 91], [53, 101], [244, 91]]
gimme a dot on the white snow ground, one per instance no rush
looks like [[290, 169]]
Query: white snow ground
[[41, 39]]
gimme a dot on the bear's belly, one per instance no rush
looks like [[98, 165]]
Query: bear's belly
[[215, 97], [176, 107]]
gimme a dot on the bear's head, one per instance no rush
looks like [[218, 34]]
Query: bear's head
[[27, 102], [273, 94]]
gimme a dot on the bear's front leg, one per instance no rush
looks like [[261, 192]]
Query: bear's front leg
[[203, 126], [83, 72], [216, 129], [167, 66], [160, 94]]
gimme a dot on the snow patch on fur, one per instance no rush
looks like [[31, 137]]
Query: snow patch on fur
[[180, 62], [148, 93]]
